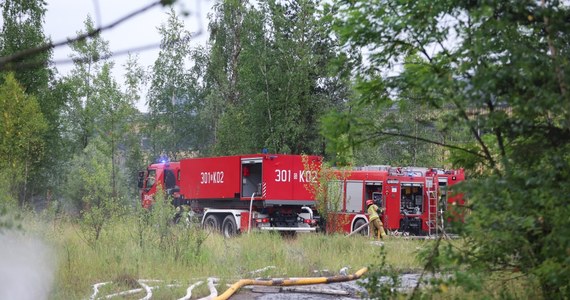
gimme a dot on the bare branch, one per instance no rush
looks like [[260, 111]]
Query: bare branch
[[381, 133], [497, 130], [428, 265], [420, 46], [477, 136]]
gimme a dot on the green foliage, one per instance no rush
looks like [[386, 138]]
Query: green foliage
[[97, 217], [162, 217], [327, 192], [337, 128], [498, 72], [98, 110], [135, 78], [175, 94], [91, 91], [21, 30], [380, 128], [142, 228], [186, 244], [160, 227], [48, 178], [89, 181], [21, 126], [269, 77], [91, 189]]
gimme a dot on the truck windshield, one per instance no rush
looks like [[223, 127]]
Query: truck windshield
[[150, 179]]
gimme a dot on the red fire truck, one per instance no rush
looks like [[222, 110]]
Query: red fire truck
[[414, 199], [234, 194]]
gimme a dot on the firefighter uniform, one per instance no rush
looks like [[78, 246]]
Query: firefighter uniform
[[375, 226]]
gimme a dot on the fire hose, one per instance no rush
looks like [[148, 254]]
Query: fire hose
[[289, 282], [359, 228]]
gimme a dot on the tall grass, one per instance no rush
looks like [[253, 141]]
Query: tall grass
[[132, 247]]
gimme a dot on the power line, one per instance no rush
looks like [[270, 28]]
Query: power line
[[6, 61], [114, 54]]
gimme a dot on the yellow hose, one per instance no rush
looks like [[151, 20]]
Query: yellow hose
[[289, 282]]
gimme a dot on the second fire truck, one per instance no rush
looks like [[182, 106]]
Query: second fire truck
[[414, 199]]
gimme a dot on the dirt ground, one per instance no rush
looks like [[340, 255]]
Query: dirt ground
[[341, 290]]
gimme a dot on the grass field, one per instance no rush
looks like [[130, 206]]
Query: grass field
[[128, 250], [136, 245]]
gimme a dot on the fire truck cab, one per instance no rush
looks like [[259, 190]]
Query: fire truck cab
[[163, 175]]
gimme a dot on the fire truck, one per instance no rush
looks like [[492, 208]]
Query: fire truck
[[413, 199], [233, 194]]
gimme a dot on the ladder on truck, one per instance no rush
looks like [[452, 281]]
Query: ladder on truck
[[433, 229]]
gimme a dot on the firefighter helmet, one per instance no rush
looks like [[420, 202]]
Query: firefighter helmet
[[369, 202]]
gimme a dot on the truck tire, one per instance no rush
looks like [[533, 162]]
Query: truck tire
[[212, 223], [359, 223], [229, 226]]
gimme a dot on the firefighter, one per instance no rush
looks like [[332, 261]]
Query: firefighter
[[375, 226]]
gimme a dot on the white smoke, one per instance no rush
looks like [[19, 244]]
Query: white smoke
[[26, 267]]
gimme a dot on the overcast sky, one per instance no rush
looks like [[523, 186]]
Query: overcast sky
[[64, 18]]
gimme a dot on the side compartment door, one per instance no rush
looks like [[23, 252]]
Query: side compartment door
[[392, 203], [251, 177], [442, 193], [354, 196]]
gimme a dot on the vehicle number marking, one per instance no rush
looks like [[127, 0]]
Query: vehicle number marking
[[301, 176], [212, 177]]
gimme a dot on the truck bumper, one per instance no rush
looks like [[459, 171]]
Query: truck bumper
[[298, 229]]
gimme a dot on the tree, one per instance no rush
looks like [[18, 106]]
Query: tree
[[497, 70], [222, 110], [89, 189], [294, 86], [96, 106], [270, 63], [21, 29], [135, 78], [174, 97], [90, 55], [21, 127], [113, 122], [403, 132]]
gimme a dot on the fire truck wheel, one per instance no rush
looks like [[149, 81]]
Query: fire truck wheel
[[212, 223], [229, 226], [357, 224]]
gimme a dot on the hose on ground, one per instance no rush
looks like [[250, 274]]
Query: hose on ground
[[289, 282]]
